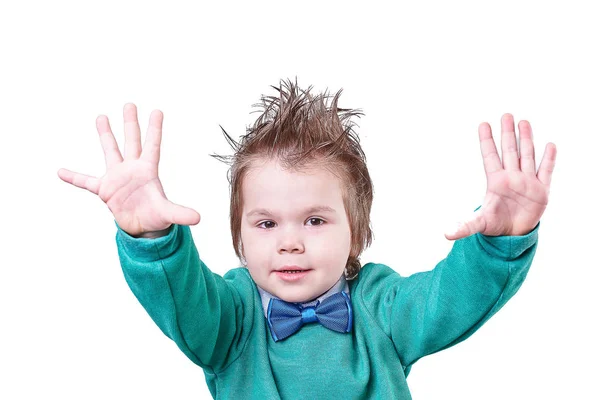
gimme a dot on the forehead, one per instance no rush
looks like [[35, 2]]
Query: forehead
[[270, 185]]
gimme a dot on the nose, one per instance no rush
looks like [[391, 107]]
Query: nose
[[290, 241]]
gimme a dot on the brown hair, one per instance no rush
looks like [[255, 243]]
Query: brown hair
[[298, 128]]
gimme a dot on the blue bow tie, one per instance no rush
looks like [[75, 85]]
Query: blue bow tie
[[285, 319]]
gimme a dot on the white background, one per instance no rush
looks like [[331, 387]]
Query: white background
[[425, 76]]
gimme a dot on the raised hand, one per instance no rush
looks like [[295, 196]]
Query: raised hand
[[516, 195], [130, 187]]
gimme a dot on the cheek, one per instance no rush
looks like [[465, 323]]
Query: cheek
[[342, 236], [246, 242], [334, 247], [252, 244]]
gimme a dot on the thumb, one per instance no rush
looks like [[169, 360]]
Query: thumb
[[181, 215], [473, 224]]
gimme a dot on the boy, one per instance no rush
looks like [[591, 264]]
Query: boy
[[302, 318]]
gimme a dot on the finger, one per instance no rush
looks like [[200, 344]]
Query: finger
[[182, 215], [527, 159], [510, 153], [112, 154], [151, 151], [472, 225], [547, 165], [133, 141], [80, 180], [491, 160]]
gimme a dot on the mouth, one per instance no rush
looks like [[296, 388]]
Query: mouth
[[291, 272], [291, 269]]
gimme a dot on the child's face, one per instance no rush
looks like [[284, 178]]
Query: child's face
[[294, 221]]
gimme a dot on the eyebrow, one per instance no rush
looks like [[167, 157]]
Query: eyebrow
[[310, 210]]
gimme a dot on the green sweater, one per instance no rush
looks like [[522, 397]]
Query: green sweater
[[219, 322]]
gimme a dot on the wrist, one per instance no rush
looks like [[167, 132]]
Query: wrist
[[153, 234]]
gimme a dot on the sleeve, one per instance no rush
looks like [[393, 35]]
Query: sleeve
[[431, 311], [199, 310]]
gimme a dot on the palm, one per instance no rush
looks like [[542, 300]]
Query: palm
[[513, 203], [130, 187], [516, 195], [134, 194]]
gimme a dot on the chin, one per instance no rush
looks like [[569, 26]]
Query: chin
[[297, 297]]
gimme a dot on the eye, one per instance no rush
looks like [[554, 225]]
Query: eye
[[266, 225], [314, 221]]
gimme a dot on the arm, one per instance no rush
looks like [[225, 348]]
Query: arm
[[431, 311], [199, 310], [488, 265]]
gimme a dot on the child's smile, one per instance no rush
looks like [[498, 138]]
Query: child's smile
[[295, 232]]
